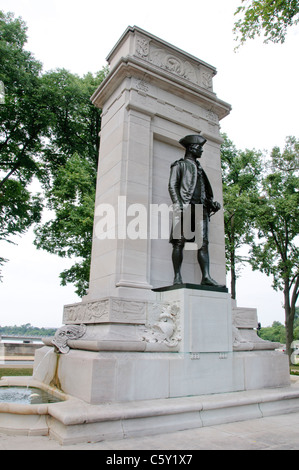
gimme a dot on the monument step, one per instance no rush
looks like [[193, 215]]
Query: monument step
[[74, 421]]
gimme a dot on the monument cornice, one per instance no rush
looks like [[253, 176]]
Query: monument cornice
[[136, 32], [131, 66]]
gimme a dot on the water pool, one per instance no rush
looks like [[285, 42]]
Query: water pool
[[26, 396]]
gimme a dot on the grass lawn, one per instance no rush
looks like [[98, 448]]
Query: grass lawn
[[15, 372], [294, 369]]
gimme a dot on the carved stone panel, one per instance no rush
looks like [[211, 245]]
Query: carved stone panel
[[91, 312], [173, 62], [127, 311], [114, 310], [167, 330]]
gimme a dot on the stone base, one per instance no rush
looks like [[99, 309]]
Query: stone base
[[102, 377], [181, 344], [75, 421], [133, 367]]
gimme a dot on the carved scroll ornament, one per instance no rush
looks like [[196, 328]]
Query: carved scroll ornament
[[65, 333]]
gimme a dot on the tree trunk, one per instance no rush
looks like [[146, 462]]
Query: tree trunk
[[289, 319], [233, 260], [16, 166], [233, 277]]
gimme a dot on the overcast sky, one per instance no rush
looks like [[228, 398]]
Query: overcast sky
[[259, 81]]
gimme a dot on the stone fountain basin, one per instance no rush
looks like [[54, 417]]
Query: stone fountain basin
[[27, 419]]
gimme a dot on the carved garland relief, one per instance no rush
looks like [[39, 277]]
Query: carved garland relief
[[146, 50], [87, 313], [105, 310]]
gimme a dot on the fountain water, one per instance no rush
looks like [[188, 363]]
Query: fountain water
[[26, 395], [43, 359], [25, 402]]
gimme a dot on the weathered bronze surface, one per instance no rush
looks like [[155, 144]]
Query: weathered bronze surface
[[189, 188]]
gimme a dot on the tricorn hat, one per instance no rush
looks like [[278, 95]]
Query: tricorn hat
[[192, 139]]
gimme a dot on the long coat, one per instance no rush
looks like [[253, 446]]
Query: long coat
[[182, 183]]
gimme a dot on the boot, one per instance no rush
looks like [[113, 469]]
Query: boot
[[204, 263], [177, 259]]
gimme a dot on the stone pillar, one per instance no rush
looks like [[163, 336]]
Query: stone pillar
[[154, 95]]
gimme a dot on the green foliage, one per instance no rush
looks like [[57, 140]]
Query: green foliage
[[275, 333], [22, 123], [48, 131], [276, 253], [74, 122], [18, 209], [71, 158], [270, 17], [23, 116], [26, 330], [241, 171], [7, 372], [71, 197], [261, 209]]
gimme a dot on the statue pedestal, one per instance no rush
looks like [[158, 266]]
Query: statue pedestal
[[176, 369], [182, 346], [206, 317]]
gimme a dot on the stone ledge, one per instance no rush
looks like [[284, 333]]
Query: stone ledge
[[75, 421]]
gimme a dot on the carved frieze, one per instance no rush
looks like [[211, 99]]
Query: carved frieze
[[90, 312], [143, 86], [127, 310], [142, 47], [207, 80], [104, 311], [211, 116], [173, 63]]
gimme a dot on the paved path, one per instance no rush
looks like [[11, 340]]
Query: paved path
[[272, 433]]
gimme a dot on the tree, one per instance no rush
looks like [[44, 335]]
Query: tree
[[70, 159], [74, 123], [26, 330], [49, 131], [241, 172], [275, 333], [296, 324], [22, 117], [18, 210], [270, 17], [69, 234], [276, 251], [22, 126]]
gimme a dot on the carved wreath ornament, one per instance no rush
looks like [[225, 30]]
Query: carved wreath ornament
[[166, 330]]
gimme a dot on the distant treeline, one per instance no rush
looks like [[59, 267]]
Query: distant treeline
[[26, 330], [277, 331]]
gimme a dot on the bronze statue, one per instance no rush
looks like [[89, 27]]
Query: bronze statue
[[189, 188]]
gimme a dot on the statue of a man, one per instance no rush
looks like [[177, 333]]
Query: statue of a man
[[189, 188]]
